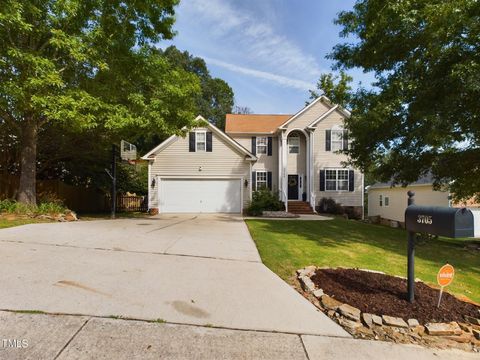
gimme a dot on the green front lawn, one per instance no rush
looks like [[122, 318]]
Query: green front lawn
[[287, 245]]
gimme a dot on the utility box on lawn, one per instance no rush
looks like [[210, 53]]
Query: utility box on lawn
[[441, 221]]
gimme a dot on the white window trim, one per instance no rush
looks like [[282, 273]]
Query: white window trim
[[337, 179], [204, 141], [385, 198], [264, 146], [256, 178]]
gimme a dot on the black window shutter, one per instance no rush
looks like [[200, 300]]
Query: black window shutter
[[328, 140], [269, 147], [254, 180], [345, 140], [351, 180], [269, 180], [191, 142], [254, 145], [322, 180], [209, 141]]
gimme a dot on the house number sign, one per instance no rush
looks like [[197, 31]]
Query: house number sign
[[424, 219]]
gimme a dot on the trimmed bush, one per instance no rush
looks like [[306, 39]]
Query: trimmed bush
[[264, 200], [328, 205]]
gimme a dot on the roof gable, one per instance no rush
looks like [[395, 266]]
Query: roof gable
[[204, 123], [325, 101]]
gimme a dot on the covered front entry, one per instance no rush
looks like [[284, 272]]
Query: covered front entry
[[200, 195], [293, 187]]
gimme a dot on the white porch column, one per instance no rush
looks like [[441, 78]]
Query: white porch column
[[284, 170], [311, 185], [307, 185]]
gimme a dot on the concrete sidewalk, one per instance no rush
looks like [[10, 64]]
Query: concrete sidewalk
[[78, 337]]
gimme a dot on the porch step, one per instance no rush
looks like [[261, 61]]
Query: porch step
[[299, 207]]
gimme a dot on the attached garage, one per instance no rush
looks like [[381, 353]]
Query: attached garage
[[200, 195], [204, 171]]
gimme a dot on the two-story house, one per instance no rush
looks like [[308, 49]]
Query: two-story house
[[296, 156]]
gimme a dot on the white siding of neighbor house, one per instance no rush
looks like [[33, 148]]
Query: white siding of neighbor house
[[176, 160], [264, 162], [398, 199]]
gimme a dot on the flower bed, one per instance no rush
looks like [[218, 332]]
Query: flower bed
[[373, 305]]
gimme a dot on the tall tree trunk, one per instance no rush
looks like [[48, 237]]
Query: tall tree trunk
[[28, 163]]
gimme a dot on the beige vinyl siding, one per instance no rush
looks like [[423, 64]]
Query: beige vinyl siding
[[309, 116], [398, 199], [264, 162], [329, 159], [176, 160]]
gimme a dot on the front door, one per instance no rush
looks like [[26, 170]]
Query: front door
[[292, 187]]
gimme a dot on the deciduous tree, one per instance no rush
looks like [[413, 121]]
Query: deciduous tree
[[423, 113], [89, 64]]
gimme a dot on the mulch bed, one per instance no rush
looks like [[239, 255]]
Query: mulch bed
[[387, 295]]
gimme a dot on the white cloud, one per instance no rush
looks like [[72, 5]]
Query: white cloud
[[241, 36], [279, 79]]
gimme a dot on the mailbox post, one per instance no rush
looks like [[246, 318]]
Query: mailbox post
[[411, 255], [440, 221]]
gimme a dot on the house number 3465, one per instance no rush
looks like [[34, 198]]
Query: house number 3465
[[424, 219]]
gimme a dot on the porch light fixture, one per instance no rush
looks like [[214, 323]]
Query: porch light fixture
[[152, 184], [245, 183]]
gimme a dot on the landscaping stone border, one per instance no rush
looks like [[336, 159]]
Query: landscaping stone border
[[464, 336]]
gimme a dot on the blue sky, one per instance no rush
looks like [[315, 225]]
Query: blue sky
[[269, 51]]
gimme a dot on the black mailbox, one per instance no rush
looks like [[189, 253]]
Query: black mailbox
[[441, 221]]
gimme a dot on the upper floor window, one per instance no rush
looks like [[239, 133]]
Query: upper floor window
[[262, 143], [294, 144], [201, 143], [336, 139]]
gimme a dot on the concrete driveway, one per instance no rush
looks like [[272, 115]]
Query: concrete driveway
[[184, 269]]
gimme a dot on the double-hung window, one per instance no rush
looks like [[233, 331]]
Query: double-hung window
[[293, 144], [337, 140], [261, 180], [262, 143], [387, 201], [381, 200], [336, 180], [201, 141]]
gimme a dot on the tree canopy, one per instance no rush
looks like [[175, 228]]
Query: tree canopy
[[88, 64], [336, 87], [216, 98], [423, 112]]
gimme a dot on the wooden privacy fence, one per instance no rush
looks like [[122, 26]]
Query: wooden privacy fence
[[74, 197]]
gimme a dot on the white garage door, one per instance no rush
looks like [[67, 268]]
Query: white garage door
[[200, 196]]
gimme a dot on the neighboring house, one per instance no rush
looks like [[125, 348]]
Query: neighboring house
[[388, 203], [294, 155]]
